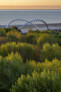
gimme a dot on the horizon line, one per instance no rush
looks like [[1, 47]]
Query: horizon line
[[29, 7]]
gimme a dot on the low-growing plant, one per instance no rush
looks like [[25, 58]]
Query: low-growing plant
[[11, 29], [48, 38], [23, 38], [50, 52], [10, 70], [26, 50], [3, 40], [2, 32], [43, 82], [13, 35], [12, 67], [31, 38]]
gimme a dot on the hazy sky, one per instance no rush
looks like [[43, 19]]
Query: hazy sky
[[30, 3]]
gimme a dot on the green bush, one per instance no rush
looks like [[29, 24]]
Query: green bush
[[23, 38], [53, 65], [10, 70], [26, 50], [3, 40], [37, 31], [31, 38], [8, 29], [50, 52], [12, 28], [59, 35], [12, 67], [2, 32], [43, 82], [48, 38], [30, 31], [37, 53], [13, 35]]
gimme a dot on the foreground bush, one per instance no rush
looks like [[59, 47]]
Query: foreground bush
[[26, 50], [43, 82], [10, 70], [50, 52], [12, 67]]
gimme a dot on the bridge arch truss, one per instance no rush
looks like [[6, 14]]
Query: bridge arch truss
[[24, 24]]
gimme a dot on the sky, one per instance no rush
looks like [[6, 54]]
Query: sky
[[29, 3]]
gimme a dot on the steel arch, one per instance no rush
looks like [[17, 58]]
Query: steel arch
[[15, 20], [27, 22], [34, 24]]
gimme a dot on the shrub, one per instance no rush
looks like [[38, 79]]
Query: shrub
[[50, 52], [30, 31], [3, 40], [8, 29], [10, 70], [43, 82], [26, 50], [13, 35], [37, 53], [12, 67], [48, 38], [37, 31], [53, 65], [59, 35], [2, 32], [31, 38], [11, 29], [23, 38]]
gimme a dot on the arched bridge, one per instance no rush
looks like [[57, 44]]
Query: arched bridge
[[26, 25]]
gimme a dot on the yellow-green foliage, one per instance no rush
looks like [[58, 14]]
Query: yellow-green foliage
[[2, 32], [43, 38], [26, 50], [48, 38], [10, 70], [13, 35], [54, 66], [43, 82], [3, 40], [50, 52], [48, 80], [31, 38], [23, 38], [21, 69], [59, 35], [12, 67]]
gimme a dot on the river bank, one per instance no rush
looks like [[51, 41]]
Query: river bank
[[51, 26]]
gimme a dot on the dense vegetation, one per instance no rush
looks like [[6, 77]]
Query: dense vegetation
[[30, 62]]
